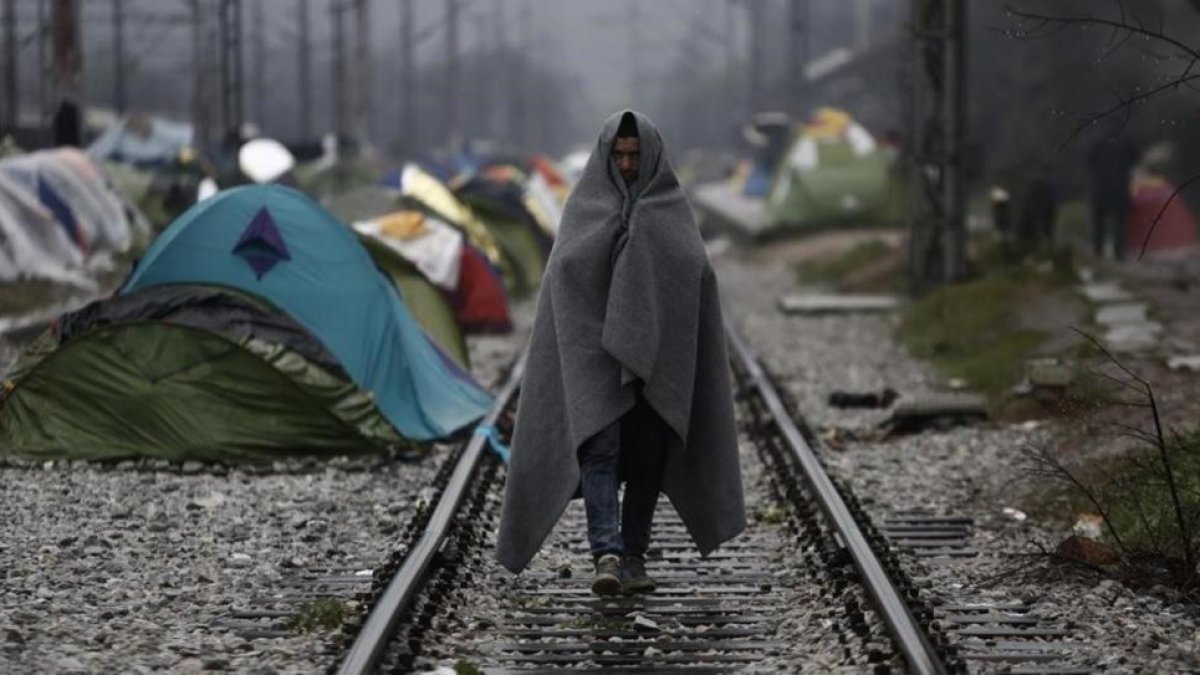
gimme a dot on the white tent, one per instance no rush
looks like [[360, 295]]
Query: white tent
[[73, 188], [32, 243]]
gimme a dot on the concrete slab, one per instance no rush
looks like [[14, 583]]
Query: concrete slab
[[936, 411], [744, 216], [1185, 362], [1121, 312], [1103, 292], [1049, 373], [836, 303], [1132, 337]]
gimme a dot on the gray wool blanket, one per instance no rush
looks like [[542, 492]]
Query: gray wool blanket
[[628, 295]]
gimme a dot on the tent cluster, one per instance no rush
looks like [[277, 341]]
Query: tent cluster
[[833, 172], [827, 171], [60, 216], [260, 323], [256, 324]]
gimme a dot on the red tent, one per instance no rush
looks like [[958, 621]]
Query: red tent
[[1176, 228], [480, 303]]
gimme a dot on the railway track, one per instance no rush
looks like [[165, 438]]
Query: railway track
[[812, 581]]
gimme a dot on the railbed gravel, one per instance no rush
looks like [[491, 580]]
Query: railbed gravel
[[809, 621], [964, 471], [124, 568]]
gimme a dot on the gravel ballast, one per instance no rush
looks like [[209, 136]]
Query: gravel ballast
[[119, 569], [974, 472], [126, 568]]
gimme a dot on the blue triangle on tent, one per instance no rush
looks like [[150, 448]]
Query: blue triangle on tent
[[261, 244]]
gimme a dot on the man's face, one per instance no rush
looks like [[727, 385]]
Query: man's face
[[625, 154]]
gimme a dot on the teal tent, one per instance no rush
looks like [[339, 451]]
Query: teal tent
[[275, 243]]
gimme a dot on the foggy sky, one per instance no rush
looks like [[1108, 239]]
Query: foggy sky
[[592, 44]]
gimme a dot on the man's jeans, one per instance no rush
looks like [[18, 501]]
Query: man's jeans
[[634, 449]]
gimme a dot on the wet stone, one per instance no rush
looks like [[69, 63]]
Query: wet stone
[[1119, 313], [1104, 292]]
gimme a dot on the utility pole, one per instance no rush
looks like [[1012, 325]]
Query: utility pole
[[500, 23], [339, 71], [8, 89], [480, 109], [229, 22], [730, 58], [68, 123], [521, 91], [258, 21], [305, 61], [863, 25], [201, 120], [956, 124], [755, 81], [45, 63], [798, 57], [938, 249], [408, 88], [118, 19], [451, 91], [635, 52], [362, 70]]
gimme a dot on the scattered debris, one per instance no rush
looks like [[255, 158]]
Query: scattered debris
[[1129, 337], [938, 411], [643, 625], [880, 399], [1014, 514], [1105, 292], [1088, 525], [1049, 373], [834, 303], [718, 247], [1185, 362], [1087, 551], [835, 437], [1123, 312], [210, 500]]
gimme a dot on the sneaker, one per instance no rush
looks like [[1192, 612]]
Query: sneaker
[[608, 571], [633, 575]]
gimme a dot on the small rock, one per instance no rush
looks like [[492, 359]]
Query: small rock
[[69, 664], [1014, 514], [643, 625], [14, 636], [240, 560], [210, 500]]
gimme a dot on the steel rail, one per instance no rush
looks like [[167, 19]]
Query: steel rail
[[913, 643], [364, 655]]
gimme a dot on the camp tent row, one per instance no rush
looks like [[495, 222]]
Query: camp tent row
[[232, 340], [458, 252], [58, 212]]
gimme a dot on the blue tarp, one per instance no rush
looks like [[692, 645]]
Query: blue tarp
[[276, 243], [144, 142]]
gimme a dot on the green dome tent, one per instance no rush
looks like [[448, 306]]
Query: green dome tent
[[426, 302], [185, 373], [257, 324], [834, 172]]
